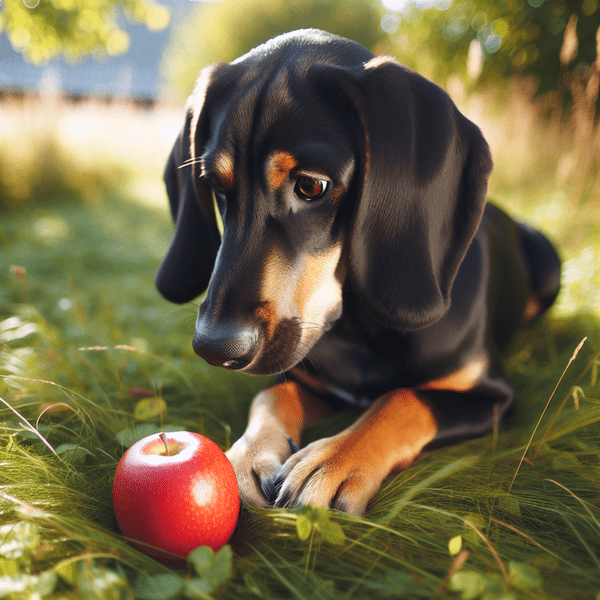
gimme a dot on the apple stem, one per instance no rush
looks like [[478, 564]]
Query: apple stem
[[163, 437]]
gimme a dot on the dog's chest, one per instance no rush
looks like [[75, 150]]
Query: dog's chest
[[357, 372]]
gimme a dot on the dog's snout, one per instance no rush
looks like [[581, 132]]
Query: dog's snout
[[226, 346]]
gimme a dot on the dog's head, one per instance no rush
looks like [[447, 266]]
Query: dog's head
[[332, 170]]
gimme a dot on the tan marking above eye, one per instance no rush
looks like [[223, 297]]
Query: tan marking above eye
[[223, 168], [462, 380], [278, 168]]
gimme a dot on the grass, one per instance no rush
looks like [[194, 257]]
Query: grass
[[85, 338]]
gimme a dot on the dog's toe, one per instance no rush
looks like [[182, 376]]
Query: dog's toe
[[256, 463], [265, 472], [328, 473], [274, 488]]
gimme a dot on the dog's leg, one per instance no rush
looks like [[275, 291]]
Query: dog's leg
[[346, 470], [277, 417]]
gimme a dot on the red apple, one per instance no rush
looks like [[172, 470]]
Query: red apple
[[175, 492]]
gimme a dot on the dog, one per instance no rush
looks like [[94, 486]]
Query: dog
[[358, 260]]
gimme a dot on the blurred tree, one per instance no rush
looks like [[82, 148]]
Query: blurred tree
[[495, 39], [223, 31], [43, 30]]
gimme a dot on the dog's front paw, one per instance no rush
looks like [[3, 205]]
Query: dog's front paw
[[338, 472], [256, 460]]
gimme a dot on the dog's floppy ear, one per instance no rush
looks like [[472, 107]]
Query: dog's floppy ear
[[188, 264], [423, 192]]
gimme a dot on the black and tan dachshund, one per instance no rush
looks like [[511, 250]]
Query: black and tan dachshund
[[358, 260]]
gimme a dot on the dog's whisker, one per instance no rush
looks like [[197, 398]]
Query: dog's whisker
[[189, 162]]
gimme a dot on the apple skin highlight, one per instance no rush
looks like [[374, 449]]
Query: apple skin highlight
[[175, 502]]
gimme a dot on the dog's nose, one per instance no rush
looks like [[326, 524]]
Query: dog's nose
[[226, 346]]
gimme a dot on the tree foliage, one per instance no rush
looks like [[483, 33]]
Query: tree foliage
[[508, 37], [435, 37], [223, 31], [47, 29]]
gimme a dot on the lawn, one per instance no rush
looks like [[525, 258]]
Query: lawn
[[92, 358]]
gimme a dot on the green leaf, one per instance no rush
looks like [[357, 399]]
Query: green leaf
[[223, 566], [149, 408], [470, 536], [72, 448], [197, 588], [26, 433], [213, 569], [201, 559], [303, 527], [455, 545], [476, 519], [128, 437], [67, 570], [495, 589], [334, 534], [311, 512], [322, 516], [469, 584], [309, 519], [73, 453], [157, 587], [524, 577]]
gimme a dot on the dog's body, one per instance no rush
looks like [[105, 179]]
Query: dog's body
[[358, 258]]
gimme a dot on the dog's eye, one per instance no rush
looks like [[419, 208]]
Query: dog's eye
[[310, 188]]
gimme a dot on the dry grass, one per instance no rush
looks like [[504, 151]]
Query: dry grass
[[83, 149]]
